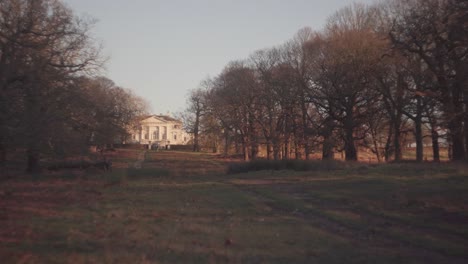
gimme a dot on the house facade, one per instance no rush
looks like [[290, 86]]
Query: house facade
[[161, 130]]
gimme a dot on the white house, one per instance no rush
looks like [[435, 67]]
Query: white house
[[159, 129]]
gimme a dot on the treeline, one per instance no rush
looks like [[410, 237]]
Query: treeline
[[51, 102], [372, 76]]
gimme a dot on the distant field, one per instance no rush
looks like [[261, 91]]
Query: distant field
[[183, 208]]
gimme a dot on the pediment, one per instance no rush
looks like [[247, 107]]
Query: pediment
[[152, 119]]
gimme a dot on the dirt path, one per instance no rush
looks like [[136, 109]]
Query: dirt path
[[185, 164], [141, 158]]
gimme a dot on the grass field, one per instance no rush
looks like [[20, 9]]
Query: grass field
[[184, 208]]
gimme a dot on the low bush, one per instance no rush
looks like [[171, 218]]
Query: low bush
[[409, 169], [81, 164], [182, 147], [294, 165]]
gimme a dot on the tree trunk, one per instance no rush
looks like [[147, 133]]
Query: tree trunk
[[305, 128], [419, 141], [398, 153], [215, 145], [34, 126], [253, 147], [456, 136], [350, 147], [226, 143], [388, 144], [377, 152], [376, 147], [455, 127], [328, 142], [254, 151], [465, 95], [286, 148], [449, 149], [307, 150], [327, 148], [246, 152], [297, 149], [268, 149], [253, 138], [466, 129], [435, 143], [196, 146], [245, 148], [454, 108], [434, 137], [418, 131], [276, 149], [236, 145]]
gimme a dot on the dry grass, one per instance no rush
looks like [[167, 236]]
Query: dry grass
[[183, 208]]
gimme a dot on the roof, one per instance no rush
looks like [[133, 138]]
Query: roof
[[166, 118], [160, 117]]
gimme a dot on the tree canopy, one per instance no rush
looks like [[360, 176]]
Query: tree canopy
[[51, 103]]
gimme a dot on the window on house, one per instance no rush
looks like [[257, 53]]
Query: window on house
[[175, 136]]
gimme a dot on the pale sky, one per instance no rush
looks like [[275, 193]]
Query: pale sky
[[160, 49]]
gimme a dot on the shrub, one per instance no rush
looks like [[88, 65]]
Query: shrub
[[294, 165]]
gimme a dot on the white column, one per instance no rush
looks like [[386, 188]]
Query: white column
[[140, 136]]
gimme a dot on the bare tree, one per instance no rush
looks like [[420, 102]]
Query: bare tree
[[236, 97], [42, 46], [297, 55], [269, 110], [435, 31], [349, 53], [196, 109], [111, 111]]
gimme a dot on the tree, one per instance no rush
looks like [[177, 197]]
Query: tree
[[196, 109], [234, 100], [111, 111], [43, 46], [269, 110], [435, 31], [349, 51], [298, 56]]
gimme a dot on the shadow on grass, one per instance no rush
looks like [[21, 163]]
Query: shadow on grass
[[384, 169]]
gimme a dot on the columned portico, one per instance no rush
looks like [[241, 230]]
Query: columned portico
[[162, 130]]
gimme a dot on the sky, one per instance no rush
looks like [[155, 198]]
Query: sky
[[160, 49]]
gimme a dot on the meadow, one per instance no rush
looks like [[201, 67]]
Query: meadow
[[176, 207]]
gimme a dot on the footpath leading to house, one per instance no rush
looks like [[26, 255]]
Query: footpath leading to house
[[140, 160]]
